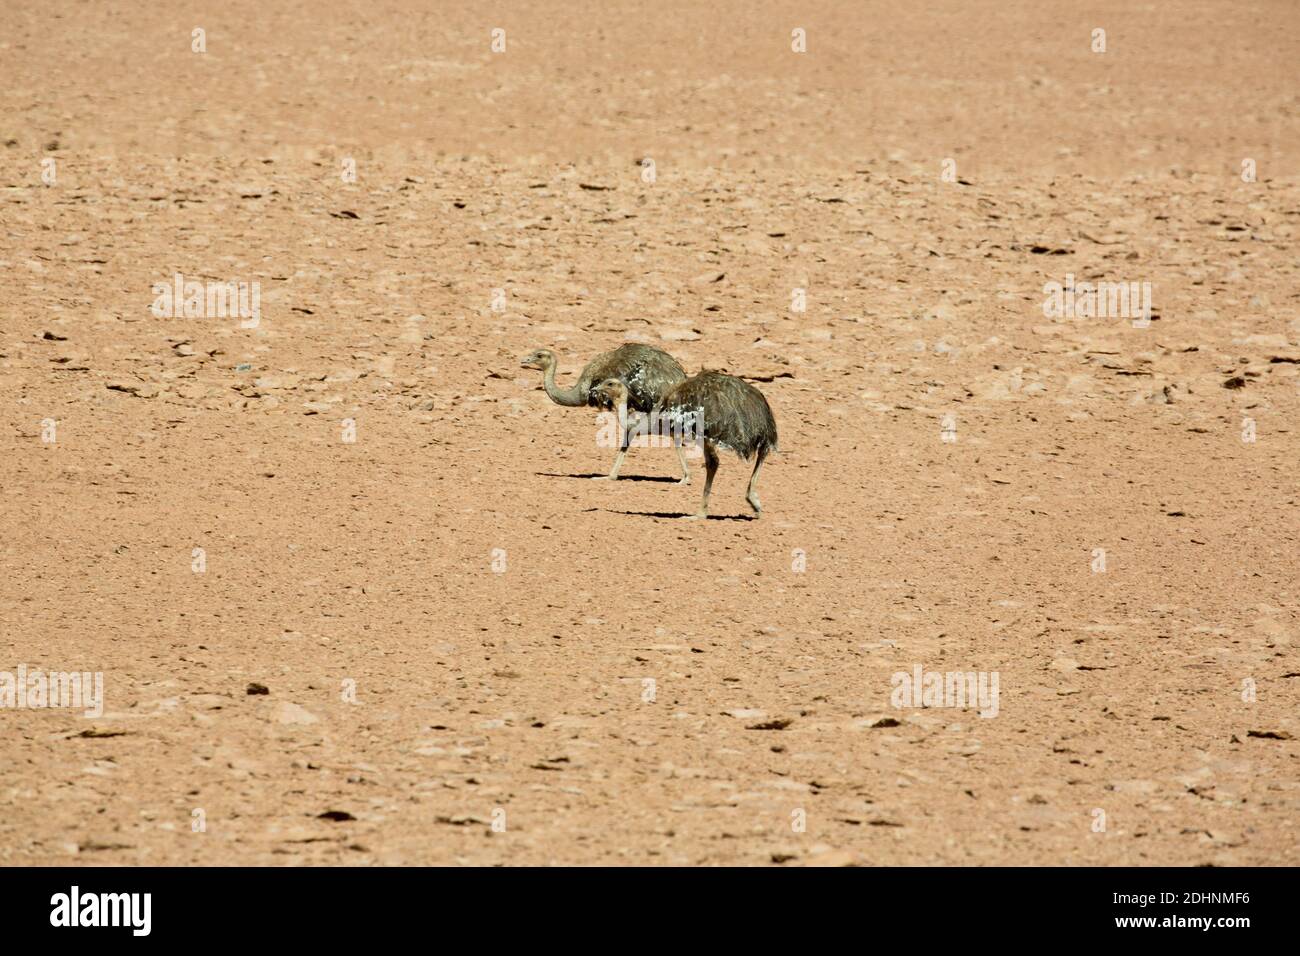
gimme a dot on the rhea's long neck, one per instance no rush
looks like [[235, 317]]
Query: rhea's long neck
[[622, 420], [561, 396]]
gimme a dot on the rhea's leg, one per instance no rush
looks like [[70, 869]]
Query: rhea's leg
[[618, 463], [681, 458], [752, 495], [710, 469], [622, 449], [659, 424]]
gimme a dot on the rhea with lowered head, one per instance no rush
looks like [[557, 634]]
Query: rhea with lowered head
[[721, 410], [646, 373]]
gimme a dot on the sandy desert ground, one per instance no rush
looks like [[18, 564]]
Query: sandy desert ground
[[440, 642]]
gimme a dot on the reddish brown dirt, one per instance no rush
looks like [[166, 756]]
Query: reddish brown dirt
[[519, 694]]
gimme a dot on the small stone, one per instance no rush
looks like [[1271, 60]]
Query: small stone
[[832, 858], [289, 713]]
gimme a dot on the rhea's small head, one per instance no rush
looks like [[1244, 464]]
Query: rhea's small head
[[539, 359], [610, 393]]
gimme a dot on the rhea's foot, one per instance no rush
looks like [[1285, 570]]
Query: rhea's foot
[[753, 503]]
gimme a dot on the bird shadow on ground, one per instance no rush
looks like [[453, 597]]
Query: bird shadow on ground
[[674, 514], [547, 474]]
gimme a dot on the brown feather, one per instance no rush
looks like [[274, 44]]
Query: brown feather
[[727, 410], [649, 373]]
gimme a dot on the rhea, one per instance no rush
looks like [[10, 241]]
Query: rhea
[[645, 372], [722, 411]]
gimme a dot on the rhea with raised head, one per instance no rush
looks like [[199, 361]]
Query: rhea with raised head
[[646, 373]]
